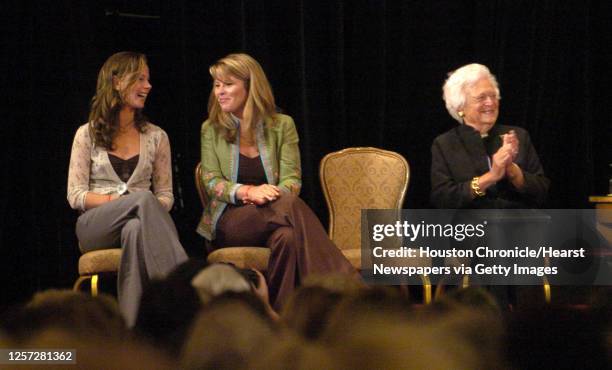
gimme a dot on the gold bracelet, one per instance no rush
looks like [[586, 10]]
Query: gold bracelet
[[475, 185]]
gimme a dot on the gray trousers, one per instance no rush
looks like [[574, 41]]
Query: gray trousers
[[146, 233]]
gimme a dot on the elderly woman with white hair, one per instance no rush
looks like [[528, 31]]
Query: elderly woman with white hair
[[481, 164]]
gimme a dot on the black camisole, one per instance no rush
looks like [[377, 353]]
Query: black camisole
[[124, 167], [251, 171]]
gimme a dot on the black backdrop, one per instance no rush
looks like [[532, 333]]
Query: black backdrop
[[351, 73]]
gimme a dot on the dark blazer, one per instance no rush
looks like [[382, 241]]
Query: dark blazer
[[459, 155]]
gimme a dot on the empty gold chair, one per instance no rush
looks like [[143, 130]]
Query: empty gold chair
[[362, 178]]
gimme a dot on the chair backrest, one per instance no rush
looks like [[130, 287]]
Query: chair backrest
[[360, 178], [200, 186]]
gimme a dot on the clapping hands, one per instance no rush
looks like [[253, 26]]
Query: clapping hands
[[512, 140], [506, 155]]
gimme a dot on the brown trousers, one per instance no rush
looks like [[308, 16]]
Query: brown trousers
[[298, 242]]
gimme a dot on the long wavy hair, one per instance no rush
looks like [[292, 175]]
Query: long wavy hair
[[106, 104], [259, 105]]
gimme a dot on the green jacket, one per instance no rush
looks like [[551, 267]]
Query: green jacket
[[277, 142]]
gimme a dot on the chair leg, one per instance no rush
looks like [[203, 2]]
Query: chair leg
[[94, 285], [465, 282], [439, 292], [426, 289], [547, 294], [79, 281]]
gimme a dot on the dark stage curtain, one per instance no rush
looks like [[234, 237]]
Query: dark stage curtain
[[351, 73]]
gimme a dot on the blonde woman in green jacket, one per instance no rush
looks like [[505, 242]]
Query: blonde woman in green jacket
[[251, 172]]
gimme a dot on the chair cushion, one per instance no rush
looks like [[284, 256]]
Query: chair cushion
[[242, 257], [103, 260]]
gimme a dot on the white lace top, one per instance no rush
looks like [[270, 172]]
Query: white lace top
[[91, 170]]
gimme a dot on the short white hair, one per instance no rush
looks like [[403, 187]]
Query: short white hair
[[454, 94]]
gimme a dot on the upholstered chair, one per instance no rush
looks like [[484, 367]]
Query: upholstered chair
[[363, 178], [96, 263], [246, 256]]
